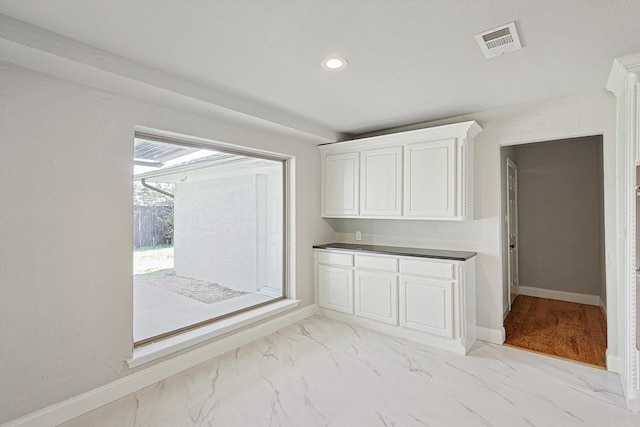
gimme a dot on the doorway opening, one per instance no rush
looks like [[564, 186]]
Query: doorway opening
[[553, 248]]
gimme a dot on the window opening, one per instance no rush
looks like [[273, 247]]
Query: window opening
[[209, 234]]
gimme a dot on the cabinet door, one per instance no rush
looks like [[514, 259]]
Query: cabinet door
[[426, 305], [377, 296], [430, 179], [381, 182], [335, 288], [341, 176]]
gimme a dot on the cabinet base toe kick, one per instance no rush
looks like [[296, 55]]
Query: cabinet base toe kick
[[454, 345], [426, 300]]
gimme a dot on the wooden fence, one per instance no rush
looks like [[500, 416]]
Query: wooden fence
[[152, 226]]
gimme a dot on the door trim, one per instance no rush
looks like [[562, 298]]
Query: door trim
[[512, 165]]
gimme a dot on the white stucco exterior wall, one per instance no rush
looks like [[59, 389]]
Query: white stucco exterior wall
[[215, 231]]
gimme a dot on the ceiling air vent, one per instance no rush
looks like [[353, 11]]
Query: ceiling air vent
[[499, 40]]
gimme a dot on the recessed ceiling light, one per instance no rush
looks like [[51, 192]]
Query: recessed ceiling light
[[334, 63]]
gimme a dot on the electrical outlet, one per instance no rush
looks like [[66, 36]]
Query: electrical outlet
[[358, 235]]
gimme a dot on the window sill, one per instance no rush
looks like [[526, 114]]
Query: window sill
[[156, 350]]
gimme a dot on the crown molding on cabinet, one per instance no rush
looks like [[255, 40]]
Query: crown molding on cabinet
[[620, 71]]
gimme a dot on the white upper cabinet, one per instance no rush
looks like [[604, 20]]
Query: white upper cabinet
[[381, 182], [341, 180], [430, 179], [420, 174]]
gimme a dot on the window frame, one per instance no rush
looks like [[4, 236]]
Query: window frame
[[287, 229]]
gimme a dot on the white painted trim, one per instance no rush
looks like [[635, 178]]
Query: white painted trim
[[620, 70], [614, 363], [159, 349], [512, 165], [93, 399], [633, 404], [493, 336], [603, 306], [560, 295], [623, 82]]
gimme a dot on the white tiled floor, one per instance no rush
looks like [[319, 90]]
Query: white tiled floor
[[320, 372]]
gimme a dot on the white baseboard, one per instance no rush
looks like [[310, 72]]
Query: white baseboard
[[633, 404], [559, 295], [93, 399], [613, 363], [493, 336], [603, 306], [458, 345]]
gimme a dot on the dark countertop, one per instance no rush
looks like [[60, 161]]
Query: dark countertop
[[398, 250]]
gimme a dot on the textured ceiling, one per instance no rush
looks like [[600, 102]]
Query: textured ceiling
[[409, 61]]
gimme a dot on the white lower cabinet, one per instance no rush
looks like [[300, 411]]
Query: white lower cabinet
[[427, 300], [377, 296], [335, 288], [426, 305]]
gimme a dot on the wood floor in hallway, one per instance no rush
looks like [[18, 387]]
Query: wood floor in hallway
[[558, 328]]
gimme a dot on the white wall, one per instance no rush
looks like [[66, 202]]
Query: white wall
[[591, 113], [66, 230], [560, 217], [216, 231]]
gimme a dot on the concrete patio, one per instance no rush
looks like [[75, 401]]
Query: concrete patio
[[158, 310]]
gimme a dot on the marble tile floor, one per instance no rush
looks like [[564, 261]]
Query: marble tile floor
[[320, 372]]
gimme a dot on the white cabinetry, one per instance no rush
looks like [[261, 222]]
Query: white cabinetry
[[420, 174], [376, 295], [340, 176], [335, 281], [430, 179], [427, 300], [335, 288], [381, 181], [426, 305]]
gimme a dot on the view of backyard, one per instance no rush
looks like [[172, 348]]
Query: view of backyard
[[152, 259], [226, 212]]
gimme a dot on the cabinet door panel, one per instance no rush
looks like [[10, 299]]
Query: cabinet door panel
[[377, 296], [381, 182], [341, 184], [430, 178], [335, 288], [426, 305]]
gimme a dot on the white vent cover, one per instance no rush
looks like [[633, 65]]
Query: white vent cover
[[499, 40]]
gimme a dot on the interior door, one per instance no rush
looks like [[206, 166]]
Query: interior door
[[512, 229]]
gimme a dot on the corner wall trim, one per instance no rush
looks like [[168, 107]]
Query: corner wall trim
[[560, 295], [613, 363], [493, 336], [103, 395], [603, 307]]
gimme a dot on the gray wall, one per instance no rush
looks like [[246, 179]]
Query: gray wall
[[560, 211], [66, 204]]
